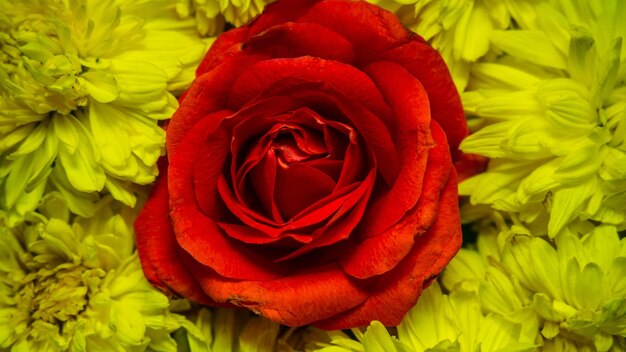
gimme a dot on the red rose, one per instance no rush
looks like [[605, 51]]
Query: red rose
[[310, 171]]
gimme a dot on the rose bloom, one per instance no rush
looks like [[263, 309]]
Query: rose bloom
[[310, 170]]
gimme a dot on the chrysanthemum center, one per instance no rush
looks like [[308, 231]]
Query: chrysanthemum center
[[54, 295], [42, 68]]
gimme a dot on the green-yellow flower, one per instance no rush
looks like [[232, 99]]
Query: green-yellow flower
[[553, 116], [375, 338], [456, 322], [572, 292], [83, 84], [76, 284], [233, 330], [579, 287], [211, 15]]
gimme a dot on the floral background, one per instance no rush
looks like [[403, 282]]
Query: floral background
[[85, 85]]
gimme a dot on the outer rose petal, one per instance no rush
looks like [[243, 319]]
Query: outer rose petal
[[410, 106], [157, 247], [207, 94], [302, 39], [381, 253], [345, 79], [426, 64], [296, 300], [368, 27], [222, 44], [398, 290], [280, 12]]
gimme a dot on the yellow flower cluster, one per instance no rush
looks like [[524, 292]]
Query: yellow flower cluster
[[234, 330], [552, 116], [70, 283], [83, 84], [569, 294]]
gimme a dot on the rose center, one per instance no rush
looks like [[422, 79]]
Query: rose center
[[295, 171], [289, 150]]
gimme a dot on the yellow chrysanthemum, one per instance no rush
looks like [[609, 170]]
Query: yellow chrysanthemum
[[455, 322], [211, 15], [553, 111], [83, 84], [233, 330], [375, 338], [458, 29], [77, 285], [575, 289]]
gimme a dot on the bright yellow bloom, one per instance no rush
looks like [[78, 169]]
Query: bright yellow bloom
[[211, 15], [375, 338], [233, 330], [76, 284], [553, 116], [83, 84], [579, 287], [573, 292], [455, 322]]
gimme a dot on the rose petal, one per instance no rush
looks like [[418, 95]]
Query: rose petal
[[299, 186], [224, 43], [318, 212], [327, 289], [410, 105], [426, 64], [213, 153], [301, 39], [250, 235], [205, 241], [340, 226], [207, 94], [157, 247], [263, 180], [368, 27], [330, 167], [280, 12], [379, 254], [397, 291], [281, 74]]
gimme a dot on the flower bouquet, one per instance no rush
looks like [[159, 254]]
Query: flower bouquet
[[312, 175]]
